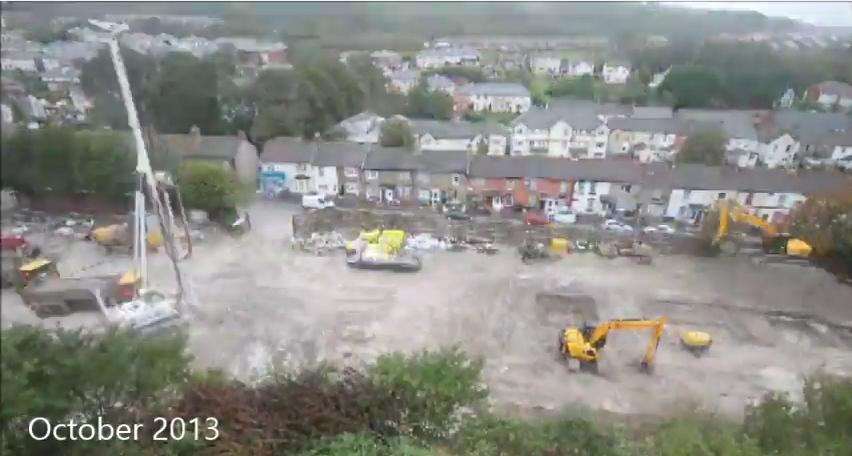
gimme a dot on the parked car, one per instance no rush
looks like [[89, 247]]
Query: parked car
[[535, 218], [316, 201], [662, 229], [457, 215], [615, 225], [565, 215]]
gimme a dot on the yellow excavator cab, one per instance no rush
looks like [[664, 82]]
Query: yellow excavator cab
[[584, 344], [393, 240], [35, 265]]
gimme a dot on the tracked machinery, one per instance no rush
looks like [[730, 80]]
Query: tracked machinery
[[584, 344], [773, 239]]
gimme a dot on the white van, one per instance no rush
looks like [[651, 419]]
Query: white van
[[316, 201]]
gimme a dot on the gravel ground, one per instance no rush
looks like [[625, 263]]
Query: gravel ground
[[262, 304]]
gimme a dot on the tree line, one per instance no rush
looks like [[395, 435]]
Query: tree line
[[431, 402]]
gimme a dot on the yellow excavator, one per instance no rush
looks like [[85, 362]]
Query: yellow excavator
[[730, 211], [584, 344]]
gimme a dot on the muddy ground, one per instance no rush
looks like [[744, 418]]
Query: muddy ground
[[262, 304]]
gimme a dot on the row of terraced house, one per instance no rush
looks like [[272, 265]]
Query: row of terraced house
[[391, 176]]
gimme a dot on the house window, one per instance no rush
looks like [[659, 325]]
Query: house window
[[302, 167], [350, 171], [788, 148], [782, 199], [626, 188], [592, 188], [321, 171], [721, 195], [372, 175], [456, 180], [686, 194]]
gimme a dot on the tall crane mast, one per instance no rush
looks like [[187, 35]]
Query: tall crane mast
[[145, 174]]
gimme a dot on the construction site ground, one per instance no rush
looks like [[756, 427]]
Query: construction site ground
[[262, 304]]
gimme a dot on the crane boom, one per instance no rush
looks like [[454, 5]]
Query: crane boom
[[143, 169]]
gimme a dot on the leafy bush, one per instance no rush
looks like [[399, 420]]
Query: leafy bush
[[431, 387], [70, 373], [701, 436], [489, 435], [364, 445], [208, 186], [707, 147], [825, 222]]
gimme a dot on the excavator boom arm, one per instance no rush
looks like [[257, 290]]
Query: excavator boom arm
[[601, 331]]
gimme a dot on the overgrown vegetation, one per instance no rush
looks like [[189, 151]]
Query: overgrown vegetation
[[419, 404], [706, 147], [825, 222], [63, 161], [396, 133], [209, 186]]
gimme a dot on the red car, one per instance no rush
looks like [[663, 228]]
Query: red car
[[535, 218]]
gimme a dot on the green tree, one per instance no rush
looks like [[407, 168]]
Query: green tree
[[825, 222], [582, 87], [396, 133], [98, 81], [208, 186], [431, 105], [694, 86], [707, 147], [185, 93]]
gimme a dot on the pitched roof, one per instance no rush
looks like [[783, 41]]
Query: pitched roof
[[497, 89], [391, 159], [339, 153], [443, 161], [288, 150], [556, 168], [697, 176], [201, 146], [735, 123], [441, 129], [806, 127], [579, 114], [670, 126], [652, 112]]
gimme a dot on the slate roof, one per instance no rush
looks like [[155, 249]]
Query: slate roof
[[443, 161], [556, 168], [441, 129], [806, 127], [288, 150], [206, 147], [580, 114], [652, 112], [339, 153], [391, 159], [497, 89], [669, 126], [736, 124], [696, 176]]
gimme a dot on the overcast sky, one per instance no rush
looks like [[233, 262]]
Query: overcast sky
[[816, 13]]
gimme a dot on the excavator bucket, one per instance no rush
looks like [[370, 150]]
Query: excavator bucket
[[798, 248]]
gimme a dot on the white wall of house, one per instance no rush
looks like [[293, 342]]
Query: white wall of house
[[559, 141], [766, 205], [829, 100], [18, 64], [841, 152], [750, 145], [545, 64], [497, 144], [615, 74], [427, 142], [586, 198], [580, 68], [780, 152], [351, 180], [684, 202], [324, 179], [291, 170], [500, 103]]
